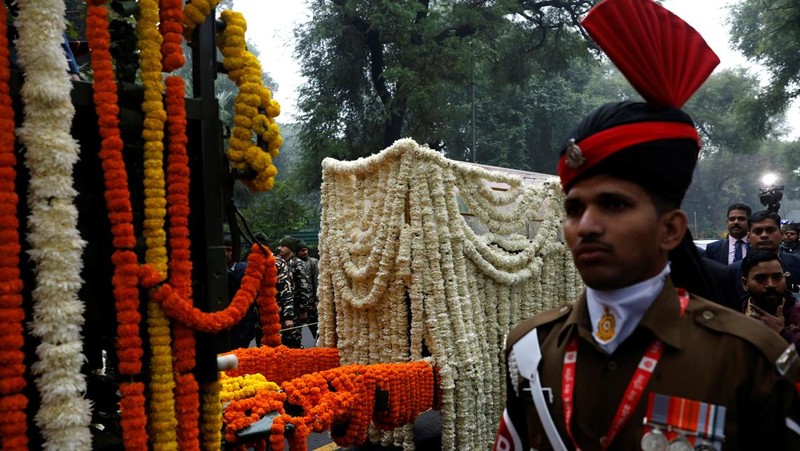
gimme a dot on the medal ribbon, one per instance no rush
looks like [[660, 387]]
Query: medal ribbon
[[632, 394]]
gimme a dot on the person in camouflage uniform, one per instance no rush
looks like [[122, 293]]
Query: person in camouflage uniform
[[313, 277], [291, 338], [301, 286]]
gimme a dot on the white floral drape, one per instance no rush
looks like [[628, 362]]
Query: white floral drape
[[401, 271]]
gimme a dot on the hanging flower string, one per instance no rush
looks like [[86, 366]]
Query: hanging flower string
[[128, 274], [268, 311], [125, 279], [187, 398], [254, 109], [195, 13], [211, 429], [12, 380], [180, 309], [171, 13], [180, 264], [55, 245], [161, 414]]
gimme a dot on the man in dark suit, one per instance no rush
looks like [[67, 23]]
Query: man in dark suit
[[734, 247], [764, 234]]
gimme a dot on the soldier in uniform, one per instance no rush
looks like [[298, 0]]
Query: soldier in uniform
[[638, 362], [301, 286], [290, 336], [313, 277]]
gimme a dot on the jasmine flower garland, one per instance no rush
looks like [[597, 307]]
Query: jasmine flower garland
[[50, 153], [391, 225]]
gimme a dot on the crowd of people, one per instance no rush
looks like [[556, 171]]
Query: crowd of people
[[760, 273]]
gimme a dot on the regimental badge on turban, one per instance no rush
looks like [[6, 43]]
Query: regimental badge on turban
[[654, 144], [573, 155]]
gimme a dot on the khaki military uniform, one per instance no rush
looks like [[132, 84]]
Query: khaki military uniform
[[712, 355]]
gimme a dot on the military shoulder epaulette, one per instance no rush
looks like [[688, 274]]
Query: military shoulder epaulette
[[540, 319], [724, 320]]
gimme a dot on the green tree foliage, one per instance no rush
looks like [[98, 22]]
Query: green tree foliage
[[730, 113], [768, 32], [381, 70], [275, 213], [723, 178], [736, 128]]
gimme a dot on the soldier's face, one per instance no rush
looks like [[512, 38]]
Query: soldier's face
[[765, 235], [766, 284], [285, 252], [302, 253], [616, 235], [790, 237]]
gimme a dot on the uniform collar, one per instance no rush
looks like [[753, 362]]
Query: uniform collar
[[662, 318]]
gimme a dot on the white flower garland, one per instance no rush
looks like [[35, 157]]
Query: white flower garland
[[50, 153], [401, 269]]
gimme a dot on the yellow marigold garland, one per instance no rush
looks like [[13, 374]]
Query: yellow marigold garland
[[211, 429], [195, 13], [254, 110], [163, 422]]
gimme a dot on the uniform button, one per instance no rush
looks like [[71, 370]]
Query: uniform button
[[564, 309], [603, 441], [708, 314], [612, 365]]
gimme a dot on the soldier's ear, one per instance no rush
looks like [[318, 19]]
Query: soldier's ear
[[672, 226], [743, 281]]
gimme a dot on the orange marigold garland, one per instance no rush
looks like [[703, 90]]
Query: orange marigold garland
[[341, 400], [125, 278], [13, 423], [187, 400], [171, 13], [269, 314], [242, 413], [282, 364], [179, 309]]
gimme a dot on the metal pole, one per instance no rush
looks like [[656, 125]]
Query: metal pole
[[472, 101]]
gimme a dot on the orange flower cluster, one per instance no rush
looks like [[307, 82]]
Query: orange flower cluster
[[242, 413], [12, 381], [187, 398], [410, 387], [125, 278], [182, 310], [282, 364], [134, 418], [269, 314], [341, 400], [171, 24]]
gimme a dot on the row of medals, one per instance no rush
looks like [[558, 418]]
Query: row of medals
[[655, 440]]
